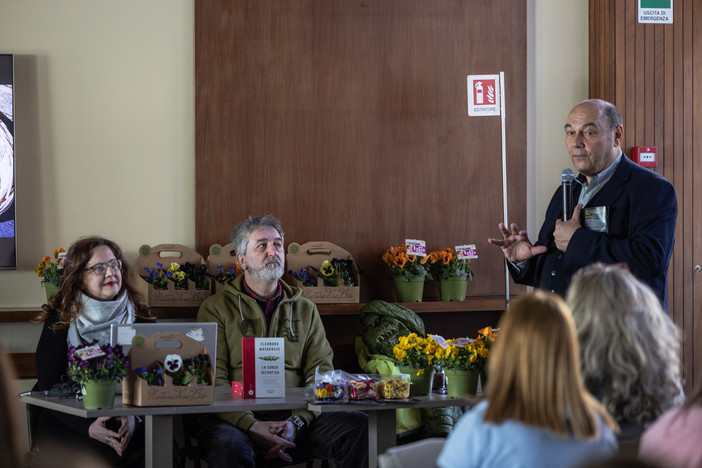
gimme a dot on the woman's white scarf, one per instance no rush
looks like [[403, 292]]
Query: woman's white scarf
[[95, 318]]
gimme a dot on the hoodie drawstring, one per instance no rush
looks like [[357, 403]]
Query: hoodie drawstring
[[293, 337], [242, 325]]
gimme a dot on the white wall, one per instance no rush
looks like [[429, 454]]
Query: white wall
[[105, 125], [559, 81]]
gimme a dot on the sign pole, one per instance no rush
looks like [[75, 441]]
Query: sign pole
[[482, 102]]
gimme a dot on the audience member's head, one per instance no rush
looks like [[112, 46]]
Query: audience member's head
[[79, 280], [629, 347], [10, 445], [240, 232], [534, 370], [674, 438]]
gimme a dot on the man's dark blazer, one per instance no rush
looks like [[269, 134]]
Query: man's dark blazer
[[642, 215]]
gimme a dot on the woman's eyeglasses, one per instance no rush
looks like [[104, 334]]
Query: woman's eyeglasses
[[101, 268]]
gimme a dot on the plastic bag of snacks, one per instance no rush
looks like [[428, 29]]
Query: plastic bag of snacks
[[331, 385], [363, 387], [377, 387], [394, 387]]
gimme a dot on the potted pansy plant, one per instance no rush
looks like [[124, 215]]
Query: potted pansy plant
[[409, 272], [415, 355], [179, 275], [97, 368], [463, 361], [181, 371], [453, 273], [51, 271]]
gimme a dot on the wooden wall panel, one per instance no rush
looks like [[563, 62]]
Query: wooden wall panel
[[348, 121], [653, 73]]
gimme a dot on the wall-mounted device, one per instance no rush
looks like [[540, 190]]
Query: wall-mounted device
[[646, 156]]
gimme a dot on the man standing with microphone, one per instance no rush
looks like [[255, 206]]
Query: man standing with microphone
[[624, 213]]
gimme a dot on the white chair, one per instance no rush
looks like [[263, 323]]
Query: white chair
[[420, 454]]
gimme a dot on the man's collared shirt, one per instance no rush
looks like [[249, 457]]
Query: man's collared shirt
[[267, 306], [598, 181]]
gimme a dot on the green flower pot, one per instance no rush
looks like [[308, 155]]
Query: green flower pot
[[409, 291], [422, 383], [483, 379], [454, 288], [461, 383], [99, 394], [50, 289]]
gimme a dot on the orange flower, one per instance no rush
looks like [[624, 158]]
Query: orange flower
[[58, 251], [411, 258], [446, 257], [387, 258], [485, 332], [46, 260], [400, 261]]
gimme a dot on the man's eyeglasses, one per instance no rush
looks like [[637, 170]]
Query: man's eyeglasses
[[101, 268]]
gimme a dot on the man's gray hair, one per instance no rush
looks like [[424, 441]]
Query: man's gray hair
[[613, 116], [241, 232]]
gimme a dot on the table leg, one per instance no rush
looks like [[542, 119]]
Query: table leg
[[381, 434], [159, 441]]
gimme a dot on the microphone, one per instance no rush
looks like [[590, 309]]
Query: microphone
[[567, 177]]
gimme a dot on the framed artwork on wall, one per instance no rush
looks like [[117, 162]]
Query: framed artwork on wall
[[8, 257]]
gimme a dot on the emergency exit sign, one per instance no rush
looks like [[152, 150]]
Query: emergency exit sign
[[656, 11]]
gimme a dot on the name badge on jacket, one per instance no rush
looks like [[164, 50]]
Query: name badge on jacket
[[596, 218]]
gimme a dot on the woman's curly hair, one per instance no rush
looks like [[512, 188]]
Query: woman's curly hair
[[629, 347]]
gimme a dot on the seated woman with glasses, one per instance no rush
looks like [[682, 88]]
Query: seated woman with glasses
[[537, 411], [94, 294], [629, 347]]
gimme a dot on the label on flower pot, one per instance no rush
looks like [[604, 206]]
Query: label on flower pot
[[440, 341], [461, 342], [263, 367], [416, 247], [464, 252], [90, 352]]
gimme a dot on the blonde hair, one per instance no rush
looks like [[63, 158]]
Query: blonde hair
[[535, 373], [630, 349]]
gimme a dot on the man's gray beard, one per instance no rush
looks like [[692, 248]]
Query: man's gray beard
[[269, 273]]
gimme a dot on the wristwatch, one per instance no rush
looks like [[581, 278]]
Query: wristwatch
[[298, 422]]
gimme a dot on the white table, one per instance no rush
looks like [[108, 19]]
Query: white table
[[159, 419]]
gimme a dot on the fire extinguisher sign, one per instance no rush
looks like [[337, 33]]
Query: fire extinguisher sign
[[483, 95]]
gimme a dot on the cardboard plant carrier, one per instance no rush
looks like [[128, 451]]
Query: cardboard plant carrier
[[171, 297], [146, 352], [219, 255], [312, 254]]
